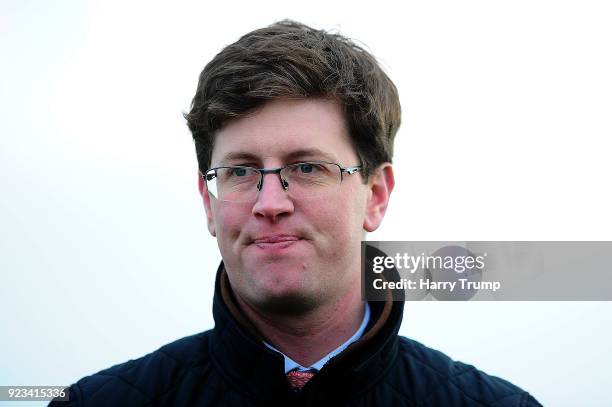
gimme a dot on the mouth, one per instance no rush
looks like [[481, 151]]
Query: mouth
[[276, 241]]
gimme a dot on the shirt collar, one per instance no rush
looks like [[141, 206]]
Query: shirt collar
[[293, 365]]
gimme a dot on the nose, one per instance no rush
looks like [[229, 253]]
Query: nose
[[273, 200]]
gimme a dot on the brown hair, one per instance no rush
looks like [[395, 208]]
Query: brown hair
[[292, 60]]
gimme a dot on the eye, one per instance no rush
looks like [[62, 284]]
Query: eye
[[307, 168], [238, 171]]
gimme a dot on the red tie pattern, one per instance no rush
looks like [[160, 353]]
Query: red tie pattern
[[298, 379]]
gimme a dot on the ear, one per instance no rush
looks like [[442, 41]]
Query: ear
[[207, 207], [380, 184]]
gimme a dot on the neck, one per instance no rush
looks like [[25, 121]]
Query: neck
[[306, 338]]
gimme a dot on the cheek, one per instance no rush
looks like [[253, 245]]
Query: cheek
[[340, 220], [229, 222]]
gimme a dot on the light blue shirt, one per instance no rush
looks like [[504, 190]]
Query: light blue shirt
[[292, 365]]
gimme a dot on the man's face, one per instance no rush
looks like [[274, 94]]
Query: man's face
[[280, 252]]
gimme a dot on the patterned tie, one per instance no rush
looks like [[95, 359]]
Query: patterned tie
[[298, 379]]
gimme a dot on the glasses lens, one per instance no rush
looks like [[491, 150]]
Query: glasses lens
[[311, 178], [233, 184]]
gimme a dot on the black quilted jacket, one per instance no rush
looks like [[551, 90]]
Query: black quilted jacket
[[229, 366]]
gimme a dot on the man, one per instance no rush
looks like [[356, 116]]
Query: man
[[294, 132]]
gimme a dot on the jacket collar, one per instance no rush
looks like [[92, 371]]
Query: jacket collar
[[237, 351]]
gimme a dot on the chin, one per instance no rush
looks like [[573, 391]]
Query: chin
[[286, 303]]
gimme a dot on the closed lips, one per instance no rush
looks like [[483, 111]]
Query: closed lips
[[277, 239]]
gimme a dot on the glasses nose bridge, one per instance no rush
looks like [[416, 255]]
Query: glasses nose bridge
[[265, 171]]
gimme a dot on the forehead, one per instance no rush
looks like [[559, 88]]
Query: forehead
[[284, 130]]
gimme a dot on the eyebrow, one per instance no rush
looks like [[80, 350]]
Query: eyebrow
[[305, 153]]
